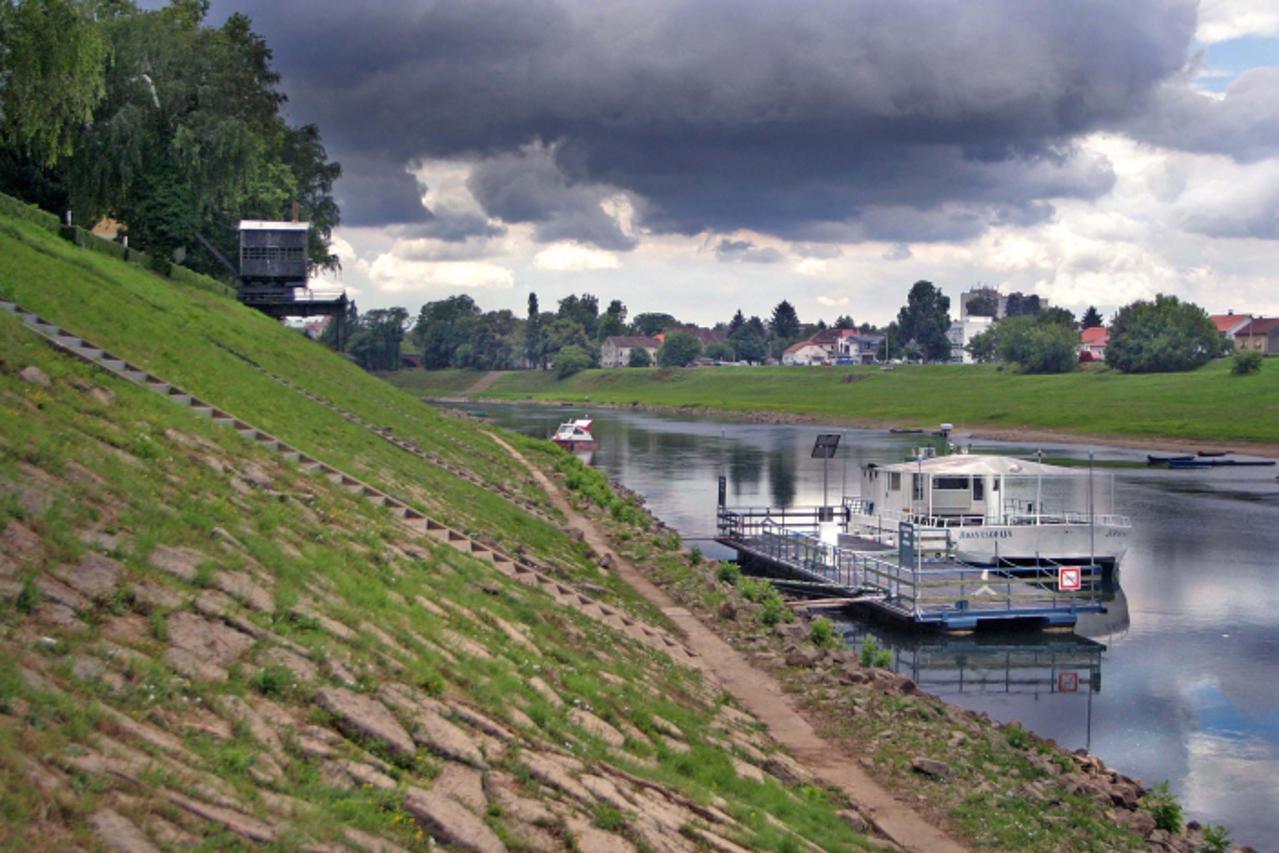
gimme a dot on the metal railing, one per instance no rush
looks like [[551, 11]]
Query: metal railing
[[923, 585], [1016, 513]]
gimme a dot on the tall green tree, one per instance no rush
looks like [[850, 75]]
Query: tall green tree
[[924, 319], [843, 321], [785, 322], [534, 345], [1092, 318], [739, 320], [53, 59], [650, 324], [442, 327], [170, 126], [679, 350], [584, 310], [375, 345], [613, 320], [1163, 335]]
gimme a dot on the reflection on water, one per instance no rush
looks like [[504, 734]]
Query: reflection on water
[[1180, 681]]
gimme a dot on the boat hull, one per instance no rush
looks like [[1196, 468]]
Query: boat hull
[[575, 444]]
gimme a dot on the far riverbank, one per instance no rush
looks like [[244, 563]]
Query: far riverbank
[[1208, 409]]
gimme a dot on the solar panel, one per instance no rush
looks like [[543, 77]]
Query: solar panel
[[824, 446]]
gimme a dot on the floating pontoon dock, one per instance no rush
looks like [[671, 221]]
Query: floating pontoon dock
[[919, 582]]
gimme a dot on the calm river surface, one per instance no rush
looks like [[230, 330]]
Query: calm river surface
[[1178, 681]]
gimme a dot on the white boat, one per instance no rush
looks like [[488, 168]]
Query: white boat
[[993, 509], [575, 435]]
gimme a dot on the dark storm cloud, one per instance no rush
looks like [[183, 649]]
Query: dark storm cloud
[[1243, 123], [746, 252], [797, 119]]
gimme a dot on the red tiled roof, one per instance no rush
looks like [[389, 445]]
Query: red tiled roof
[[1095, 336], [1226, 322], [1259, 326]]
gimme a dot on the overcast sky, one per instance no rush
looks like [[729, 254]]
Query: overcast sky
[[696, 157]]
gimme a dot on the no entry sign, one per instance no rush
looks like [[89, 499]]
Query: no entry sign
[[1069, 579], [1067, 682]]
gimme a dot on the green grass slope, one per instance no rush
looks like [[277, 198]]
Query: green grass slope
[[1208, 404], [202, 646]]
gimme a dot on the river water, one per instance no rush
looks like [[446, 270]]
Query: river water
[[1179, 680]]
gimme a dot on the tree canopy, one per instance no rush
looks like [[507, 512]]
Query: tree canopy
[[151, 117], [1092, 318], [1163, 335], [924, 319], [1042, 344], [679, 350]]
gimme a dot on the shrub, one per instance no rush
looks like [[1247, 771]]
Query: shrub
[[28, 597], [1246, 361], [1163, 807], [695, 555], [639, 357], [572, 359], [1037, 345], [1216, 839], [679, 350], [823, 634], [874, 656], [1018, 738], [1162, 336], [728, 573], [275, 681], [773, 609], [719, 351]]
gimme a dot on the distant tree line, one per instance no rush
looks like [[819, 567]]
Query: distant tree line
[[456, 333], [173, 128], [1147, 336]]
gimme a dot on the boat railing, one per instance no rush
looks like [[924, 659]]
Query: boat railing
[[925, 583]]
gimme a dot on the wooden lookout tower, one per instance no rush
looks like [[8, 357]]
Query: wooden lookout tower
[[274, 269]]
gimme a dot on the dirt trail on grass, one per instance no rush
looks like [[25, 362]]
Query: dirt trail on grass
[[762, 695], [483, 383]]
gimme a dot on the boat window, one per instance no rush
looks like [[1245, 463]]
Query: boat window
[[894, 482], [979, 488], [950, 484], [917, 486], [994, 485]]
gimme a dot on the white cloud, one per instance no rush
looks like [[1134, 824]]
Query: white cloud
[[811, 267], [1222, 20], [574, 257], [393, 275], [832, 301]]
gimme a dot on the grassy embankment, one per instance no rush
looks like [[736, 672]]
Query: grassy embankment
[[185, 620], [211, 645], [1208, 404]]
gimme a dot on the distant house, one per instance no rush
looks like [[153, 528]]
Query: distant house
[[961, 334], [1230, 323], [1260, 334], [1092, 343], [616, 351], [806, 353]]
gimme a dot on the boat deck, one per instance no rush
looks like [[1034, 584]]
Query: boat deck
[[929, 592]]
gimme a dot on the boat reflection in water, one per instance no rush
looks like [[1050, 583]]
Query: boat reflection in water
[[1037, 679]]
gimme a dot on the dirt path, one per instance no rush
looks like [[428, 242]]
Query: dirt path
[[763, 696], [483, 383]]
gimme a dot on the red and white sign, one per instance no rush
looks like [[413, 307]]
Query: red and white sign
[[1069, 579], [1067, 682]]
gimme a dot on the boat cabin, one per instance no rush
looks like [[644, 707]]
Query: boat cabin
[[965, 489]]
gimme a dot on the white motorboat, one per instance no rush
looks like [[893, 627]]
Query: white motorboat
[[993, 509], [575, 435]]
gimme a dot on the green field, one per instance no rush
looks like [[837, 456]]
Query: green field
[[1208, 404]]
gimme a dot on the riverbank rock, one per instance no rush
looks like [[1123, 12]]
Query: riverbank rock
[[448, 820], [361, 717], [930, 767]]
